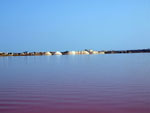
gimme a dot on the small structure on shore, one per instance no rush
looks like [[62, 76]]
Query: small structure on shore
[[84, 52], [71, 53], [57, 53], [101, 52], [94, 52], [10, 54], [48, 53], [91, 51], [22, 54]]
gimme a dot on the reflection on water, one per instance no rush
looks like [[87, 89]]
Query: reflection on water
[[75, 84]]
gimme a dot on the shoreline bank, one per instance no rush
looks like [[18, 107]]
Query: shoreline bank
[[84, 52]]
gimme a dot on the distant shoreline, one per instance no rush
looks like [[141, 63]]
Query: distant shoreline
[[74, 52]]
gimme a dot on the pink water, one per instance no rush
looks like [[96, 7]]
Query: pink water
[[75, 84]]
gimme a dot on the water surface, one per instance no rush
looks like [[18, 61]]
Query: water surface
[[118, 83]]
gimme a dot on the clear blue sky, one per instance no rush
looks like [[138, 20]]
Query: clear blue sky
[[51, 25]]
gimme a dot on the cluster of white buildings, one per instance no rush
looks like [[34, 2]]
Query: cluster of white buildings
[[85, 52]]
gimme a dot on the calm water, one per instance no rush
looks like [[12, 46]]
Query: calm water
[[118, 83]]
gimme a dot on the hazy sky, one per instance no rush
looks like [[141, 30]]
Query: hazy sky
[[50, 25]]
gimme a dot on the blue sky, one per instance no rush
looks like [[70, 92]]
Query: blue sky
[[51, 25]]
